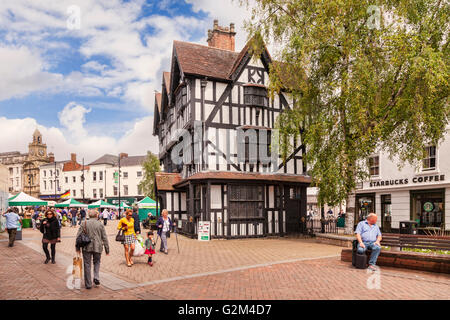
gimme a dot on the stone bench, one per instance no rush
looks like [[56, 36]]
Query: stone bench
[[410, 260]]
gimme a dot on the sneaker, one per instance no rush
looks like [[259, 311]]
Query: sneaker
[[166, 252], [372, 267], [97, 283]]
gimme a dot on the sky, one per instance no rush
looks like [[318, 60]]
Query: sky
[[84, 72]]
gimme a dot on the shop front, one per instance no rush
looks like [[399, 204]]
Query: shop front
[[428, 208]]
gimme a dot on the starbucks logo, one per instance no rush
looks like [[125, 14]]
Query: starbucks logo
[[428, 206]]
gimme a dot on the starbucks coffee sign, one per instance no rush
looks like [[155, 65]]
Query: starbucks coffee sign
[[396, 182]]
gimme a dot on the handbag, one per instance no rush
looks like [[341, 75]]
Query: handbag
[[120, 236], [83, 239], [77, 267]]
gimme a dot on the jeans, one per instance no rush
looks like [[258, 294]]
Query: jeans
[[163, 241], [12, 236], [74, 221], [88, 258], [375, 251]]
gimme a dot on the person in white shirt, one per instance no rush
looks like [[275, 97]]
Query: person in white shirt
[[105, 216]]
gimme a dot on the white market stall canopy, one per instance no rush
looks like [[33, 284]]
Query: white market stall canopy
[[71, 203], [23, 199], [102, 204], [147, 203]]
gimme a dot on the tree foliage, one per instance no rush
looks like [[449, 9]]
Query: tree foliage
[[151, 166], [361, 84]]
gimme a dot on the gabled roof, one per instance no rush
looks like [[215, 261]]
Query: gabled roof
[[165, 181], [132, 161], [158, 101], [196, 59], [166, 79], [106, 159]]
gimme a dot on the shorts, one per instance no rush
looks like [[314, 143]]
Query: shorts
[[129, 239]]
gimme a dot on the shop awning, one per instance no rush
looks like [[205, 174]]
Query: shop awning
[[23, 199], [71, 203]]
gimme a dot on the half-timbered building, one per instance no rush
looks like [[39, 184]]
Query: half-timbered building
[[215, 101]]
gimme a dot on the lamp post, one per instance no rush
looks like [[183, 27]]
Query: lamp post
[[119, 188], [82, 179], [55, 180]]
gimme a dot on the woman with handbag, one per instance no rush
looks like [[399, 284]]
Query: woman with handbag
[[127, 235], [51, 234]]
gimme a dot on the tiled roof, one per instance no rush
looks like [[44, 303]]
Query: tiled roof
[[165, 181], [225, 175], [158, 101], [132, 161], [73, 166], [106, 159], [206, 61], [166, 78]]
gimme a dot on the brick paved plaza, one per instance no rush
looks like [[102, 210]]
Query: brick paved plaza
[[277, 268]]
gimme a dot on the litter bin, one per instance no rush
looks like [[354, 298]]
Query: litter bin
[[408, 227], [26, 223], [341, 222]]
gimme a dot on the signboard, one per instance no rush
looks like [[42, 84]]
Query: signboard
[[428, 206], [204, 230], [180, 224], [116, 177], [414, 180]]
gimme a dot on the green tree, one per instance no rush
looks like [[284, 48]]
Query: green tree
[[151, 166], [365, 76]]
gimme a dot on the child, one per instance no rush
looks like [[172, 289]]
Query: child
[[150, 247]]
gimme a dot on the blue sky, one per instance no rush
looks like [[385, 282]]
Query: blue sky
[[90, 90]]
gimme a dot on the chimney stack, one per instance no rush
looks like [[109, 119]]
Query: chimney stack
[[123, 155], [73, 157], [222, 37]]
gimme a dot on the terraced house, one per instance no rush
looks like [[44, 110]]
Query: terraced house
[[215, 123]]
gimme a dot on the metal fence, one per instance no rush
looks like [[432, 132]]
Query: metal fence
[[326, 225]]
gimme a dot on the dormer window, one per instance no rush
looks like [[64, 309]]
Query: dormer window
[[256, 96]]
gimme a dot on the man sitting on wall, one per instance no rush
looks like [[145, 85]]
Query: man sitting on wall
[[368, 235]]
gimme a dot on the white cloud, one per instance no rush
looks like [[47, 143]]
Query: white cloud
[[23, 72], [62, 141]]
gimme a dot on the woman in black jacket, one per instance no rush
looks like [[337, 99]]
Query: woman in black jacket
[[52, 234]]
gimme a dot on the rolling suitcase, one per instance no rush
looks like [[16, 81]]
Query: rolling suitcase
[[354, 248], [360, 260]]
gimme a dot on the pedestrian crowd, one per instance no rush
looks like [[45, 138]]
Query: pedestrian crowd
[[91, 237]]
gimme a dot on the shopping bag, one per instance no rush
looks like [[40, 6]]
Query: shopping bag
[[2, 224], [77, 267], [139, 250]]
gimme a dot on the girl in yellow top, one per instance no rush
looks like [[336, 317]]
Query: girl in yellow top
[[127, 224]]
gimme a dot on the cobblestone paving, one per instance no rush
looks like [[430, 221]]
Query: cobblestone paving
[[219, 269]]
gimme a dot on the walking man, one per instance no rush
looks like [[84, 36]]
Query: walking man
[[82, 215], [368, 235], [105, 216], [93, 251], [12, 220]]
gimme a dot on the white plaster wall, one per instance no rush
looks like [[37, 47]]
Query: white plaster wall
[[400, 207]]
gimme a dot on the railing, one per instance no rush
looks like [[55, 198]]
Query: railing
[[325, 225]]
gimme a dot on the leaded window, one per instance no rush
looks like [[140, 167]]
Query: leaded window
[[256, 96], [246, 201]]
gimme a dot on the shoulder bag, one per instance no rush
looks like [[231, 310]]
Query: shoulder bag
[[120, 237], [83, 239]]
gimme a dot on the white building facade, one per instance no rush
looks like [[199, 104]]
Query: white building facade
[[408, 194]]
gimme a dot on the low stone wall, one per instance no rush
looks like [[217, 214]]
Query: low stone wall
[[439, 263], [334, 239]]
